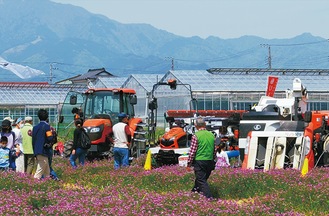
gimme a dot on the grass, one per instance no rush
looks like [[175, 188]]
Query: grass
[[98, 189]]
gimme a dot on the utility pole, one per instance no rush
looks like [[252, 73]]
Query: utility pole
[[172, 62], [51, 68], [269, 57]]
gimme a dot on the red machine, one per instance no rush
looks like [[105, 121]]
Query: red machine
[[176, 141]]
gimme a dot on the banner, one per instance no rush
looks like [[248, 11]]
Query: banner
[[272, 81], [21, 71]]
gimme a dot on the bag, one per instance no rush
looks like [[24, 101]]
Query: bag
[[49, 145], [85, 140], [67, 149]]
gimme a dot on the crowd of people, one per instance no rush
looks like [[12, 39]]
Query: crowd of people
[[23, 146]]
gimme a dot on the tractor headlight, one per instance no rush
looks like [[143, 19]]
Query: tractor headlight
[[95, 130]]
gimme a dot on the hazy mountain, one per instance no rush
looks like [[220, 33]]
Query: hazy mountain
[[38, 33]]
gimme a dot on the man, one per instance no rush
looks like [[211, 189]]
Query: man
[[121, 140], [201, 156], [26, 131], [41, 134]]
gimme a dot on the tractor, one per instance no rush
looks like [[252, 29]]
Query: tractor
[[99, 108]]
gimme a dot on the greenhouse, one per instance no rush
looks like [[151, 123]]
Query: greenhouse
[[20, 99], [213, 89]]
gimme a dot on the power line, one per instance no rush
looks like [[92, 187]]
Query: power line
[[302, 44]]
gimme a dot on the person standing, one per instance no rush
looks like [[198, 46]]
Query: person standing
[[5, 153], [41, 134], [201, 156], [222, 157], [6, 130], [18, 142], [26, 131], [77, 151], [121, 140], [50, 153]]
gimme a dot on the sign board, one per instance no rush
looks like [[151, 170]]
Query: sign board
[[272, 81]]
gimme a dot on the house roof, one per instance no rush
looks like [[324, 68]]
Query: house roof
[[92, 74]]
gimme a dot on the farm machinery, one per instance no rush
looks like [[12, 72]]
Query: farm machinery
[[176, 141], [99, 108], [280, 133]]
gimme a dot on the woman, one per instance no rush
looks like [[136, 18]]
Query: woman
[[77, 151], [17, 124]]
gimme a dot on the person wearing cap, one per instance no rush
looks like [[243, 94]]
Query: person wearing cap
[[26, 131], [121, 140], [201, 157], [19, 162], [41, 134], [6, 130], [9, 119]]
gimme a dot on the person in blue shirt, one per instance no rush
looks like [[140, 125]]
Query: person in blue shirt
[[5, 153], [42, 134]]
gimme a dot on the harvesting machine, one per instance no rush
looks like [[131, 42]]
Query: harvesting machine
[[280, 133]]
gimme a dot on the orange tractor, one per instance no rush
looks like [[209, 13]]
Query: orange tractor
[[100, 108], [176, 140]]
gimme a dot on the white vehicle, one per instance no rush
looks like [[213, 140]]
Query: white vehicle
[[266, 119]]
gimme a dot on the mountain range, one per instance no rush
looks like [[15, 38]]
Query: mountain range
[[65, 40]]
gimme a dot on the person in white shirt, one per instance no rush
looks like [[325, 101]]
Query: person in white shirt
[[20, 166], [222, 157], [121, 141]]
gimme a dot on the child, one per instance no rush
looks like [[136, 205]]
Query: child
[[222, 158], [5, 153]]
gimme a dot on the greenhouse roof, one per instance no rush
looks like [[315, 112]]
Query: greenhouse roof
[[110, 82], [146, 81], [25, 93], [202, 80]]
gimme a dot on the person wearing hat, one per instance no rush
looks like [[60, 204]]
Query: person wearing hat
[[19, 162], [9, 119], [121, 140], [201, 157], [26, 131], [6, 130]]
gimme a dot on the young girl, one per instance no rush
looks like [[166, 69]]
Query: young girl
[[222, 158]]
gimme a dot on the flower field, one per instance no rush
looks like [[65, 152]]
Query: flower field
[[97, 189]]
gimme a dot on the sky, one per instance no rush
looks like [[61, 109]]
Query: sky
[[221, 18]]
